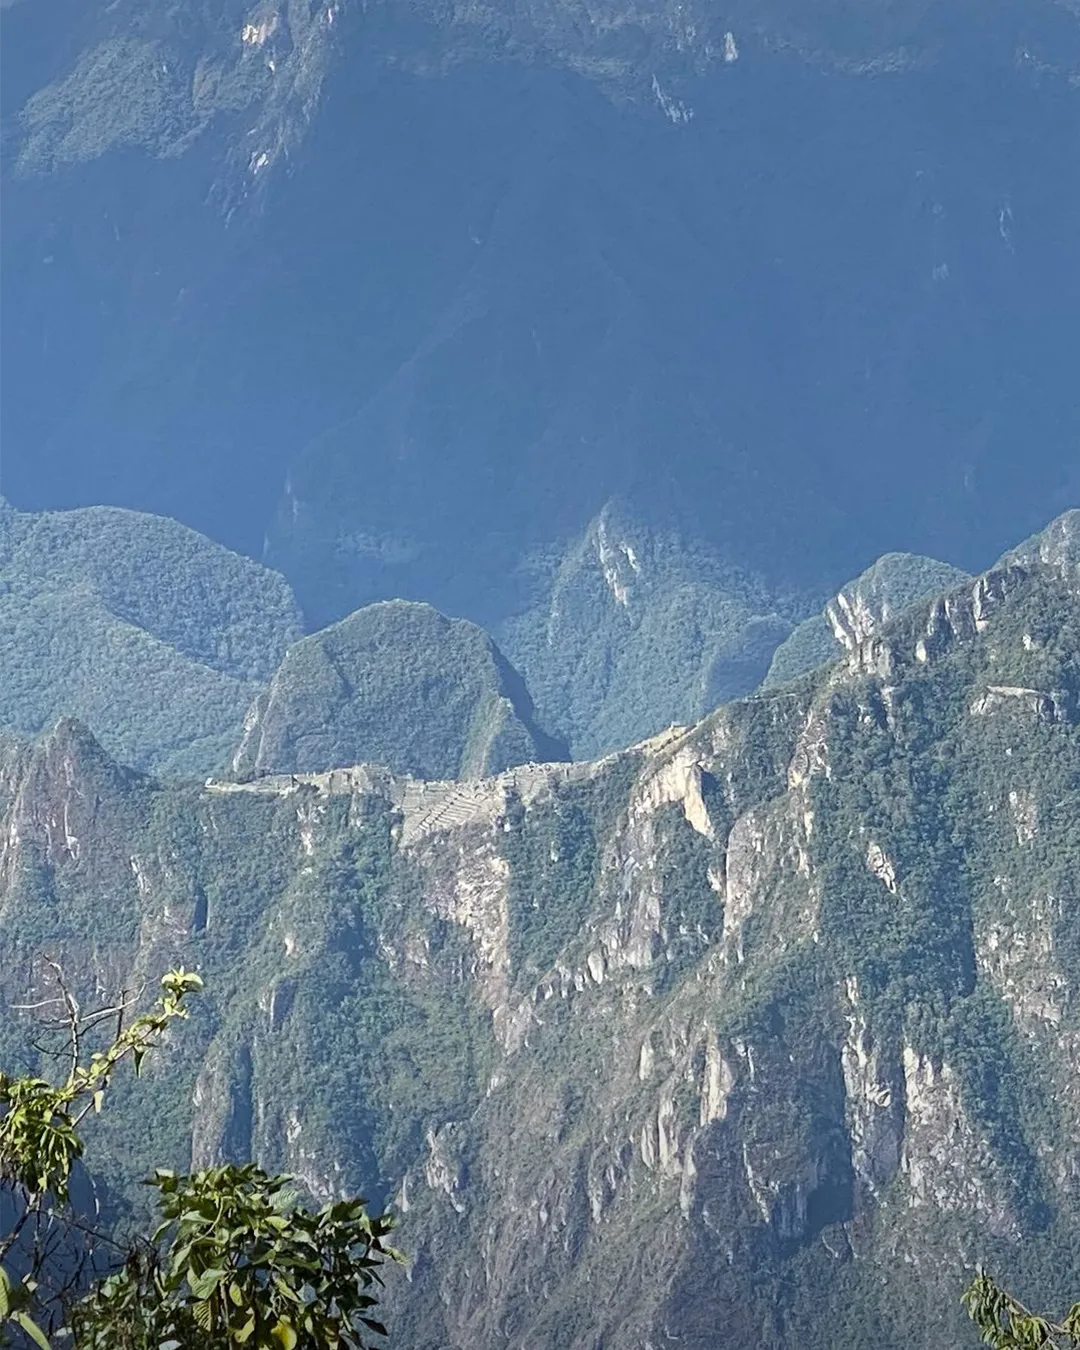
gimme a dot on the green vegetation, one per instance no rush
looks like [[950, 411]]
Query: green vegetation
[[631, 631], [889, 588], [792, 1072], [139, 88], [234, 1262], [1006, 1324], [155, 637], [395, 683], [554, 867]]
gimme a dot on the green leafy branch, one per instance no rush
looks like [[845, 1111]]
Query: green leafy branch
[[1006, 1324], [236, 1263], [39, 1139], [39, 1126]]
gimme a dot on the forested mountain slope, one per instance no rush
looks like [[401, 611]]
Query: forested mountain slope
[[154, 635], [185, 658], [761, 1032], [400, 297], [399, 684]]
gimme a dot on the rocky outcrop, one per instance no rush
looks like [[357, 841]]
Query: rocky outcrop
[[896, 583], [783, 1001]]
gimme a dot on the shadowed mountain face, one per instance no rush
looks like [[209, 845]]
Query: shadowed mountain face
[[415, 296]]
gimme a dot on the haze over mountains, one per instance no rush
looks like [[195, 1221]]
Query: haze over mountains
[[406, 296], [185, 658], [536, 656]]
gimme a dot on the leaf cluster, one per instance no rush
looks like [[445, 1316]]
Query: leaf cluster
[[1006, 1324], [39, 1139], [235, 1263]]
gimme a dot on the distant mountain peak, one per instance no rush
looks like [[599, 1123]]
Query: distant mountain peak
[[1057, 544], [395, 683]]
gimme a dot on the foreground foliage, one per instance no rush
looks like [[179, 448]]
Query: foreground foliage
[[236, 1261], [241, 1265], [1006, 1324]]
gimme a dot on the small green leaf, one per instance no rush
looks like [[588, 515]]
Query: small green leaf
[[244, 1334], [286, 1289], [204, 1286], [284, 1333], [32, 1330]]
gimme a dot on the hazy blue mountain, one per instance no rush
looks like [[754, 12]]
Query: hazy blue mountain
[[155, 636], [886, 589], [399, 684], [1058, 544], [633, 630], [408, 293], [762, 1033]]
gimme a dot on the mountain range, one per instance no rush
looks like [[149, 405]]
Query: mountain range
[[543, 661], [634, 640], [402, 299], [761, 1032]]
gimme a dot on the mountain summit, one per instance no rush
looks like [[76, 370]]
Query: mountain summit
[[397, 684]]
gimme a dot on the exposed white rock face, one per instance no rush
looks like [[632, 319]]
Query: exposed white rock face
[[890, 587], [676, 779], [1058, 545], [693, 1097], [618, 559], [879, 862], [443, 1167], [959, 617], [1036, 702], [262, 27], [872, 656], [473, 893], [307, 816], [1016, 953], [811, 755], [1025, 813], [718, 1079], [853, 618], [874, 1108], [948, 1164], [766, 868], [747, 861]]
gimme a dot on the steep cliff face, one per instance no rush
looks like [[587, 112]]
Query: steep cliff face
[[759, 1033], [894, 583]]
